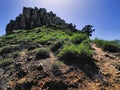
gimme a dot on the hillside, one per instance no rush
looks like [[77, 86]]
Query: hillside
[[40, 51], [50, 58]]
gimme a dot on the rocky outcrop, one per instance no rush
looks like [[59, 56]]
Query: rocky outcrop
[[31, 18]]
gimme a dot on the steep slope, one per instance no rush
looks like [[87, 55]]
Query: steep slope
[[55, 58], [110, 67]]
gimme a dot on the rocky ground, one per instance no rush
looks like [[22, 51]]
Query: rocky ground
[[51, 74]]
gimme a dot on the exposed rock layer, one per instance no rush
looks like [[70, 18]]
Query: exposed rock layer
[[31, 18]]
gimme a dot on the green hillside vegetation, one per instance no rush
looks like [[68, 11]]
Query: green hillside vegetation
[[58, 56], [66, 44], [111, 46]]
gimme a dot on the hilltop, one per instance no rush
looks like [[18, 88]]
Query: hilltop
[[34, 17], [55, 56]]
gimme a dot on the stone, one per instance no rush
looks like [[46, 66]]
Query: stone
[[23, 84], [27, 12], [39, 66], [34, 17], [22, 71], [118, 67], [9, 26], [18, 64]]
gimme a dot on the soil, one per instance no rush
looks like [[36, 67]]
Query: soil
[[100, 73]]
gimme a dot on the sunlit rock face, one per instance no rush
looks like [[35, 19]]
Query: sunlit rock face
[[34, 17]]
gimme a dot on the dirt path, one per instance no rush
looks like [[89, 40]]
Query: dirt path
[[107, 64], [98, 51], [52, 56]]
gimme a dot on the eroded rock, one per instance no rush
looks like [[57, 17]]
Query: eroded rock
[[34, 17]]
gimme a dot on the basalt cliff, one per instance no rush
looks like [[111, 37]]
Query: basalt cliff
[[34, 17]]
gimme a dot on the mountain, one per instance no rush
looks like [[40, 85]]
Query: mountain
[[55, 57]]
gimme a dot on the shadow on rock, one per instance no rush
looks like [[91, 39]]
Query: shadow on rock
[[88, 66]]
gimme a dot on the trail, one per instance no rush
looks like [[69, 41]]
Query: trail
[[107, 63], [98, 51], [52, 57]]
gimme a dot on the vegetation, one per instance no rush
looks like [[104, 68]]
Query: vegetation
[[88, 30], [75, 52], [78, 38], [56, 65], [65, 43], [111, 46], [40, 53], [57, 45], [5, 61]]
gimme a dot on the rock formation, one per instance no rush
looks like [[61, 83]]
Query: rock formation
[[31, 18]]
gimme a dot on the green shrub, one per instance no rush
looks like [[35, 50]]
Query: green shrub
[[110, 46], [75, 52], [98, 42], [56, 65], [56, 46], [5, 62], [15, 54], [78, 38], [40, 53], [9, 49], [32, 45]]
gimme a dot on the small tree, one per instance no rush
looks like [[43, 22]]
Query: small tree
[[88, 30]]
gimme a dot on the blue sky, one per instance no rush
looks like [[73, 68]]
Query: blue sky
[[104, 15]]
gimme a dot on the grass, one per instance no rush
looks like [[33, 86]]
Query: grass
[[110, 46], [78, 38], [66, 45], [5, 61], [56, 65], [40, 53], [63, 42], [9, 49], [74, 52]]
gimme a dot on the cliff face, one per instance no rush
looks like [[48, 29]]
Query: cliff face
[[31, 18]]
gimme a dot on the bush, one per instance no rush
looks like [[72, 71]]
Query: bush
[[32, 46], [5, 62], [98, 42], [9, 49], [56, 46], [41, 53], [15, 55], [78, 38], [75, 52], [56, 65], [108, 45], [6, 49]]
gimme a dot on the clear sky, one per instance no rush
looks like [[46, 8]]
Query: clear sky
[[104, 15]]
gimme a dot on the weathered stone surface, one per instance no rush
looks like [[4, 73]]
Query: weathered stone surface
[[31, 18], [26, 12], [23, 84]]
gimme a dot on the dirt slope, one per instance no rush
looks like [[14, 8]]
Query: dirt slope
[[110, 67], [101, 73]]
